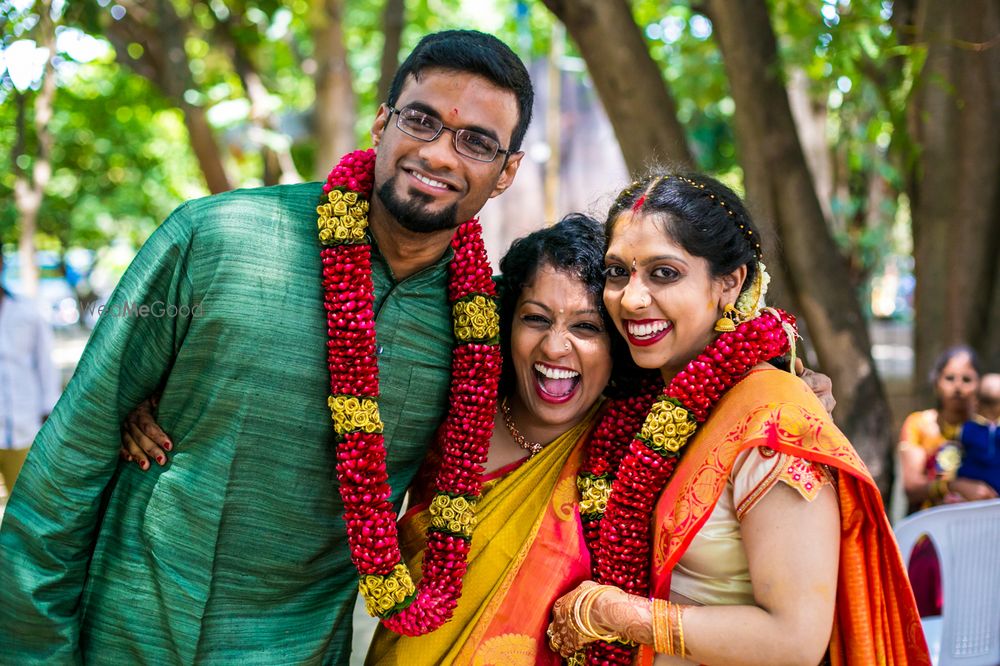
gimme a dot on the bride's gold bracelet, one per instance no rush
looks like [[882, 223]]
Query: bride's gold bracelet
[[580, 617]]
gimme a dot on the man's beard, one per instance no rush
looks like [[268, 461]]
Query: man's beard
[[412, 214]]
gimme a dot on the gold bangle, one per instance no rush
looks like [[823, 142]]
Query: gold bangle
[[670, 629], [660, 631], [680, 628], [580, 616]]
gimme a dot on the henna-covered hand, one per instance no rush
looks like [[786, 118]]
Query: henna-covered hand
[[614, 612], [563, 637], [142, 437]]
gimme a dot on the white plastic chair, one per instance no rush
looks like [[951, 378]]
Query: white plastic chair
[[967, 540]]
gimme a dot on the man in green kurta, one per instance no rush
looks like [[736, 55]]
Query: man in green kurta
[[236, 552]]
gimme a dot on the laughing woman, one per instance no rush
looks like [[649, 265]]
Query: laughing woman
[[528, 548], [769, 543]]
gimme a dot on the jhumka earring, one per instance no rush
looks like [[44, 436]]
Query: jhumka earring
[[727, 322]]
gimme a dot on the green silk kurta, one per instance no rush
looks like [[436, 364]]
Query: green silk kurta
[[236, 551]]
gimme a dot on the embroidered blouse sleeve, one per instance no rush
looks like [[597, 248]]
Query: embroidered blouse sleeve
[[757, 470]]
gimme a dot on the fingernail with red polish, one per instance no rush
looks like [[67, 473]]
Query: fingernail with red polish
[[168, 445], [161, 459]]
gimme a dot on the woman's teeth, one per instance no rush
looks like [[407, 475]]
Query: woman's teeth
[[555, 373], [647, 329], [556, 382]]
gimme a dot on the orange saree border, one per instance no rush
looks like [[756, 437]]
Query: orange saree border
[[876, 620]]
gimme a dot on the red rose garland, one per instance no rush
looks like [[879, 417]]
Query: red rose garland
[[619, 536], [385, 582]]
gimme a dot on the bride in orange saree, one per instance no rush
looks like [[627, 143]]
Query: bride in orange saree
[[768, 541]]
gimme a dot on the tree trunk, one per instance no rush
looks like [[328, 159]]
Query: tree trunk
[[164, 62], [393, 19], [275, 148], [955, 185], [335, 111], [780, 187], [29, 189], [628, 80]]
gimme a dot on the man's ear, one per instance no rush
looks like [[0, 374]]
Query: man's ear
[[506, 178], [381, 119]]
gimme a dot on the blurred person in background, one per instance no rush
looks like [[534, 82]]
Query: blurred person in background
[[955, 378], [29, 383], [978, 475], [927, 476]]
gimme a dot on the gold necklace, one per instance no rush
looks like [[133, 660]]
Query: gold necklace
[[531, 447]]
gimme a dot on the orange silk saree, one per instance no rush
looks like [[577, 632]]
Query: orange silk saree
[[876, 619]]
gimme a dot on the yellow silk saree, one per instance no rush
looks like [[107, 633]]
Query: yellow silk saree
[[527, 551]]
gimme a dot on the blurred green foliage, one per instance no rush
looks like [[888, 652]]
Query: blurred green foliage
[[122, 160]]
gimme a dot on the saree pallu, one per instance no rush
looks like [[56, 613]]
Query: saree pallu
[[527, 551], [875, 618]]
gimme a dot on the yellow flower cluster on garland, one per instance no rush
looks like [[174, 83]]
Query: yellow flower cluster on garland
[[344, 219], [594, 493], [476, 319], [383, 593], [667, 427], [352, 414], [454, 514]]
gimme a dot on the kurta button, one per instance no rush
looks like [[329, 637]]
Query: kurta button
[[378, 350]]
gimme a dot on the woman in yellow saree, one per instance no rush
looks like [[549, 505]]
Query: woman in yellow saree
[[527, 548], [769, 543]]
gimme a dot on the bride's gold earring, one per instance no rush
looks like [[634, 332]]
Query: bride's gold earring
[[727, 322]]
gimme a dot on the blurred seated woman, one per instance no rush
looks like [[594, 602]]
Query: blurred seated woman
[[955, 378]]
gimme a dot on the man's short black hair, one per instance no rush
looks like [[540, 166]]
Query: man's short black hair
[[476, 53]]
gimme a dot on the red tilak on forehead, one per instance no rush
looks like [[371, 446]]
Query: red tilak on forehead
[[638, 203]]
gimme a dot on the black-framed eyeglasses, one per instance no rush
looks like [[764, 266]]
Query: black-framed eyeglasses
[[472, 144]]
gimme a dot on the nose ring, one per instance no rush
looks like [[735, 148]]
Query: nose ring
[[566, 346]]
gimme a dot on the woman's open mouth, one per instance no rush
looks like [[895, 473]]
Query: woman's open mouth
[[555, 384]]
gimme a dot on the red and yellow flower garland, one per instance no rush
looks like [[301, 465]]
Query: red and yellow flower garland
[[385, 582], [619, 537]]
